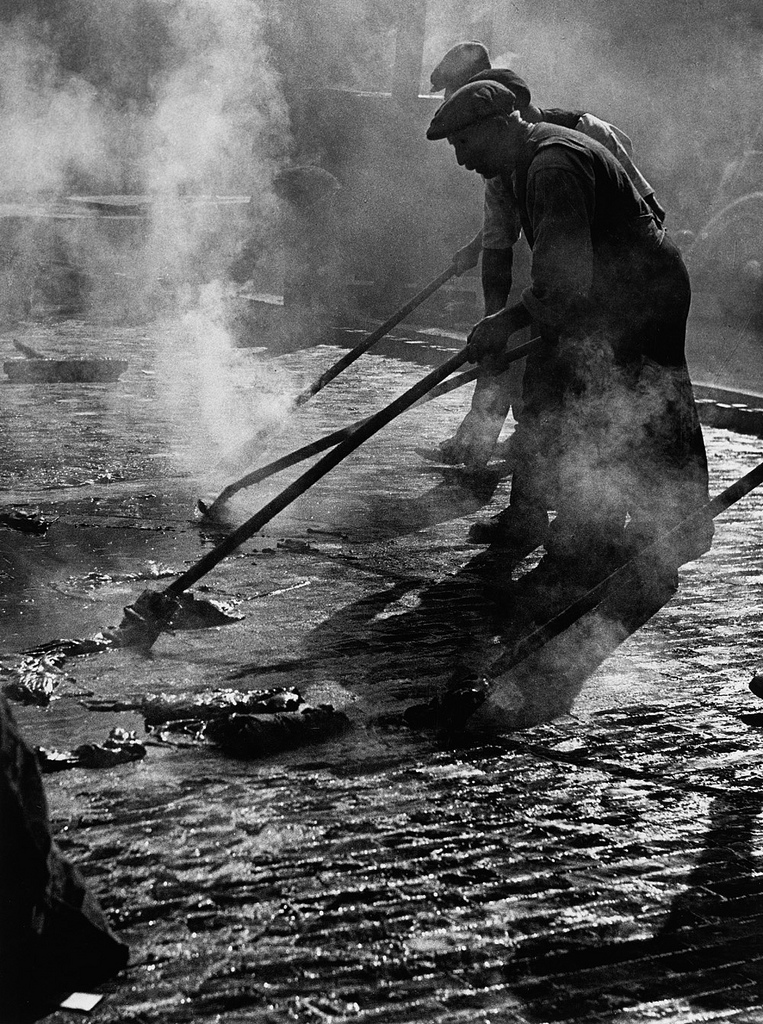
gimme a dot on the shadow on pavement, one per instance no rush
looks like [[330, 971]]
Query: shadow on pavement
[[458, 494], [407, 639], [422, 628], [706, 953], [416, 640]]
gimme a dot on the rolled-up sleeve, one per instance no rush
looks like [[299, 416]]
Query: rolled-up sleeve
[[617, 142], [560, 207]]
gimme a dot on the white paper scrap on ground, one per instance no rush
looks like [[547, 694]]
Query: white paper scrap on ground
[[83, 1001]]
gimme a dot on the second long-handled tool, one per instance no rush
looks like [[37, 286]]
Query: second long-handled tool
[[329, 440], [624, 576], [633, 582], [252, 447], [144, 620], [486, 700], [315, 447]]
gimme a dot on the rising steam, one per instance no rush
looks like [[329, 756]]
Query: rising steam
[[179, 103], [54, 125], [185, 102]]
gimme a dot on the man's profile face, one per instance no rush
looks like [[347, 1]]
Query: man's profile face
[[478, 148]]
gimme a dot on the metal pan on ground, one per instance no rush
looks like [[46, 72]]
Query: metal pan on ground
[[64, 371]]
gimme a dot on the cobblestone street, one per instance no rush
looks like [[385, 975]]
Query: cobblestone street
[[604, 865]]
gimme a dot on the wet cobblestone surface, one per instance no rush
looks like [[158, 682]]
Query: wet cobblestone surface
[[604, 865]]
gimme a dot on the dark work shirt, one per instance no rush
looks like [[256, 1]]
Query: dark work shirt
[[594, 239]]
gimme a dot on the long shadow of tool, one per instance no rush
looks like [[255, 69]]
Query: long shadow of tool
[[435, 621], [457, 495], [402, 643], [455, 627], [545, 682], [469, 630], [415, 637]]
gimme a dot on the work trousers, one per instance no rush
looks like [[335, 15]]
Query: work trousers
[[599, 442], [495, 394]]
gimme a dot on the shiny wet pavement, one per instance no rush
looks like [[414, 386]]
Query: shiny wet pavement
[[603, 865]]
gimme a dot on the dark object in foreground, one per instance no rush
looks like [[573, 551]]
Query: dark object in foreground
[[25, 522], [35, 679], [64, 371], [756, 684], [203, 707], [54, 937], [253, 736], [120, 748]]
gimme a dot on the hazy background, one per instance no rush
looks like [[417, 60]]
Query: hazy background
[[207, 97], [193, 107], [684, 79]]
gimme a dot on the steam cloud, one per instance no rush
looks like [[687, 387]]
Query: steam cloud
[[177, 102], [182, 102], [51, 123]]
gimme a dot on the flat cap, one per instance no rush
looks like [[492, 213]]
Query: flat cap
[[472, 103], [512, 81], [458, 65]]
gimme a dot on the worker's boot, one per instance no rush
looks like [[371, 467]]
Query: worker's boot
[[466, 448], [474, 442], [474, 453]]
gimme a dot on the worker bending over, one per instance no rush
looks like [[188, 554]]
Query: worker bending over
[[475, 439], [609, 426]]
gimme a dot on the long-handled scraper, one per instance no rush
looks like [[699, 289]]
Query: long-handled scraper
[[144, 620], [252, 447]]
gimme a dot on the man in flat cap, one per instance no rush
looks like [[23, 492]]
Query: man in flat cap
[[458, 65], [609, 426], [475, 439]]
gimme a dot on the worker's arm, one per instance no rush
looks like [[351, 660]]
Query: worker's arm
[[560, 198], [500, 231], [560, 204], [496, 278], [491, 334]]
